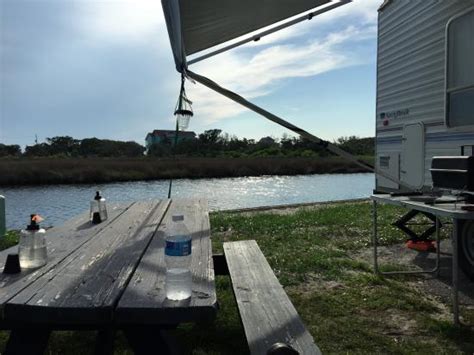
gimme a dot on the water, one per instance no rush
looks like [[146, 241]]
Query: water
[[61, 202], [32, 257], [178, 259], [178, 284], [32, 249]]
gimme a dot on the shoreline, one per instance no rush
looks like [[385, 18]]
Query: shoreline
[[51, 171], [279, 209], [292, 206]]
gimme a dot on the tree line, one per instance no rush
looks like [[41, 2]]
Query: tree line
[[215, 143], [66, 146], [210, 143]]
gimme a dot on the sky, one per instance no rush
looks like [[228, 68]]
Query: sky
[[90, 68]]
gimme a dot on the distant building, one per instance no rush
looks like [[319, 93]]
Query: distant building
[[160, 135], [266, 141]]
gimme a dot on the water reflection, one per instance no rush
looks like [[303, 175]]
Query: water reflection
[[58, 203]]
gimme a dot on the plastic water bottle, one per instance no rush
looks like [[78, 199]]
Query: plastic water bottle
[[178, 261], [32, 245]]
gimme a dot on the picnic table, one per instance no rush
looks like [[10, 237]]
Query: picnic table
[[109, 276]]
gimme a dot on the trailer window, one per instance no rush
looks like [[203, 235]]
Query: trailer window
[[460, 71]]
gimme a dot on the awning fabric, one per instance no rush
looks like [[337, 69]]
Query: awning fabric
[[202, 24], [206, 23]]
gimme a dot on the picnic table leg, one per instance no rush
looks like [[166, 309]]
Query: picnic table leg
[[27, 341], [151, 340], [105, 342]]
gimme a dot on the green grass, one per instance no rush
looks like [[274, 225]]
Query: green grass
[[315, 253], [345, 306], [8, 240]]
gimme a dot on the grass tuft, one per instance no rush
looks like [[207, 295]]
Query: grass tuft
[[10, 239]]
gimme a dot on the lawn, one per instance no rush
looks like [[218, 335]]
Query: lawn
[[316, 254]]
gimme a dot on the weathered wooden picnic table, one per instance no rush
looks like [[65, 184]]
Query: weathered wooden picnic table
[[109, 276]]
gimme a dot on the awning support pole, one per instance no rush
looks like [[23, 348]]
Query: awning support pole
[[325, 144]]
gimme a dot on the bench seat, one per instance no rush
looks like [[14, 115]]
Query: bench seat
[[267, 314]]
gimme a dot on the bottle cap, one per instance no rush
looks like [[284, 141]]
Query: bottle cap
[[12, 265], [97, 196], [34, 222], [178, 217]]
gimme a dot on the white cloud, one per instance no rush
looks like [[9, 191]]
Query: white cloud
[[275, 57], [122, 20], [261, 73], [364, 10]]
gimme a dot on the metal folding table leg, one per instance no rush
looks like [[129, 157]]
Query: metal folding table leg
[[454, 243], [375, 236], [375, 243]]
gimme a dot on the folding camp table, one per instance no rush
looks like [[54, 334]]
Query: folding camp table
[[453, 211]]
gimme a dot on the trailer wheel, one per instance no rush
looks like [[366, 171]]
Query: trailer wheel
[[466, 247]]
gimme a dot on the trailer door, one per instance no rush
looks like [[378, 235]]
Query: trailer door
[[413, 155]]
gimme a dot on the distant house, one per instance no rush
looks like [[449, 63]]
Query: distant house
[[266, 141], [163, 135]]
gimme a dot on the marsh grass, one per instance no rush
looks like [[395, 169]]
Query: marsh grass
[[34, 171], [314, 253]]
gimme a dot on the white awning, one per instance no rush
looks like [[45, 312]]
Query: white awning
[[197, 25]]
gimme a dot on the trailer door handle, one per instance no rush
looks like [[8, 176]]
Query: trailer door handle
[[403, 171]]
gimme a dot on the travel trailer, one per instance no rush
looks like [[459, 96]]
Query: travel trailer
[[425, 96], [425, 88]]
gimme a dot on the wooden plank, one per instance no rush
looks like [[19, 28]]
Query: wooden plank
[[144, 301], [267, 314], [61, 241], [85, 287]]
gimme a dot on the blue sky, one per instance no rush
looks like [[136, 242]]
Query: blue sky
[[104, 69]]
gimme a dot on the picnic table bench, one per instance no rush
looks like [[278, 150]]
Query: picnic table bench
[[111, 276], [270, 320]]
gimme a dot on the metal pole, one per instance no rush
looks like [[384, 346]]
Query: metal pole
[[454, 241], [325, 144], [176, 133], [438, 245], [375, 237], [174, 155], [3, 228]]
